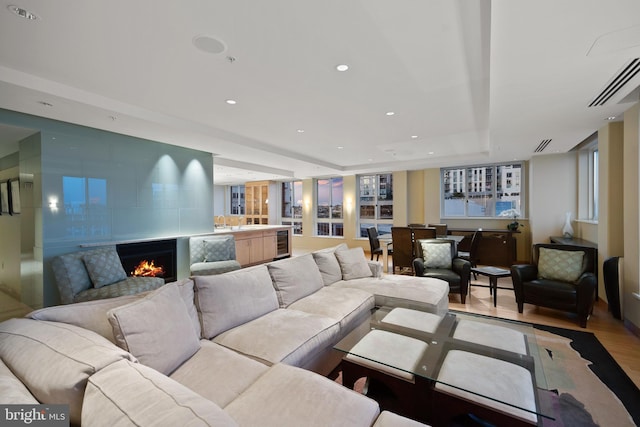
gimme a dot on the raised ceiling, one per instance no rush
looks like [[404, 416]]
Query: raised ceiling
[[469, 81]]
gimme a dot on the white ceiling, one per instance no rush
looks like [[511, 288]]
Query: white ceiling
[[475, 81]]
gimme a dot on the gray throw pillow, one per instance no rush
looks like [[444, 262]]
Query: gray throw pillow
[[156, 329], [104, 267], [353, 264]]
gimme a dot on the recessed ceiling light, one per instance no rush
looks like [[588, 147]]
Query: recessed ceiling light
[[390, 113], [22, 13], [611, 118], [430, 152], [371, 160], [231, 101], [340, 147], [414, 136], [300, 130], [342, 67], [209, 44]]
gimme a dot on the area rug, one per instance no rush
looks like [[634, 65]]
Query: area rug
[[586, 385]]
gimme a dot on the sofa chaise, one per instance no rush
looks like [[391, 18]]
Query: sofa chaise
[[239, 348]]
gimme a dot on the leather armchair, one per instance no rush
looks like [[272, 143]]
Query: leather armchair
[[576, 297], [457, 276]]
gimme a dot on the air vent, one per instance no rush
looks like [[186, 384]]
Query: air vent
[[542, 145], [627, 72]]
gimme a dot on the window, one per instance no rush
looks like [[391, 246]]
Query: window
[[482, 191], [375, 203], [292, 205], [329, 207], [237, 200]]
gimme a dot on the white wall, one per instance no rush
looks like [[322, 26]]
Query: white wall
[[552, 193]]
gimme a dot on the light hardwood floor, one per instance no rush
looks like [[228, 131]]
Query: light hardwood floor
[[621, 343]]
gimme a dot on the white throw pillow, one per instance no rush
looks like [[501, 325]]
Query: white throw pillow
[[353, 264], [436, 255], [156, 329]]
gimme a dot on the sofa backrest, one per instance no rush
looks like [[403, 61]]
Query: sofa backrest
[[54, 360], [295, 278]]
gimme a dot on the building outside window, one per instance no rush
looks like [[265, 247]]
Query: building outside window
[[237, 200], [329, 203], [292, 205], [375, 203], [482, 191]]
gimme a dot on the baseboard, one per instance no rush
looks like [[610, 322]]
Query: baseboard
[[632, 327]]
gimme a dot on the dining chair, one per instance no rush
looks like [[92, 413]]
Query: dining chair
[[441, 229], [472, 256], [402, 249], [374, 243], [423, 233]]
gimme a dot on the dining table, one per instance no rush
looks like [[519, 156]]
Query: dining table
[[386, 240]]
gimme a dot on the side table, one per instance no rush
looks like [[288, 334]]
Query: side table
[[493, 273]]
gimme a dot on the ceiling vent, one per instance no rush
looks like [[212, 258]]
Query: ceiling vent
[[618, 81], [542, 145]]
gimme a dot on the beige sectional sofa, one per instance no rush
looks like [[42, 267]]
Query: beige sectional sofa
[[238, 348]]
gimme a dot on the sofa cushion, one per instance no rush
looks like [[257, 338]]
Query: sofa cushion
[[128, 286], [346, 305], [284, 335], [295, 278], [128, 394], [231, 299], [104, 267], [12, 391], [329, 267], [54, 360], [211, 268], [565, 266], [396, 290], [353, 264], [436, 255], [90, 315], [223, 365], [156, 329], [288, 396]]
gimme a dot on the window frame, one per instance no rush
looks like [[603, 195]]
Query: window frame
[[333, 222], [490, 195], [290, 218], [242, 201], [377, 220]]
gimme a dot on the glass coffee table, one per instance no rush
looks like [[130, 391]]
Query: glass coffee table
[[437, 367]]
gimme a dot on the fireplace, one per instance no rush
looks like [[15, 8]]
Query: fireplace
[[158, 255]]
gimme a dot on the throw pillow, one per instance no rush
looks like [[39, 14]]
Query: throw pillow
[[353, 264], [156, 329], [329, 267], [436, 255], [565, 266], [217, 249], [104, 267], [295, 278]]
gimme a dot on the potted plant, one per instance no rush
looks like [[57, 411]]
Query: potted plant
[[514, 225]]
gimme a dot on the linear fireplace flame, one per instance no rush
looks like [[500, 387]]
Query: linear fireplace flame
[[148, 269]]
